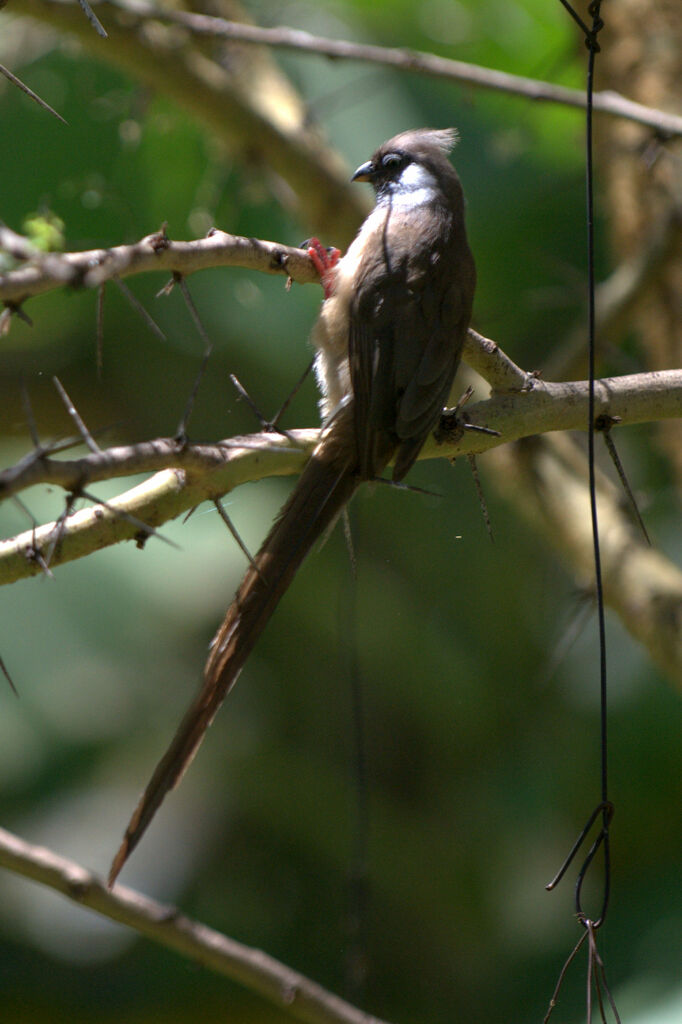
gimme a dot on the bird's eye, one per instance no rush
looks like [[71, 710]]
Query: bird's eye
[[391, 161]]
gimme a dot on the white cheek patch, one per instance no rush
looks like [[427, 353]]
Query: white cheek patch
[[415, 178], [415, 186]]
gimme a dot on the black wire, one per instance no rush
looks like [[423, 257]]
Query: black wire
[[593, 49], [604, 807], [595, 971]]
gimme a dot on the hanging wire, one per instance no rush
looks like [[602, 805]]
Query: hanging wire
[[593, 50], [596, 976], [604, 808]]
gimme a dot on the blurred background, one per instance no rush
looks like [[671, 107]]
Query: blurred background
[[482, 752]]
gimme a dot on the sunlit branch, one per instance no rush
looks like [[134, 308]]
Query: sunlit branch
[[187, 474], [92, 267]]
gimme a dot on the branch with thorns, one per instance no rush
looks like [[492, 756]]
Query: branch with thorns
[[187, 474]]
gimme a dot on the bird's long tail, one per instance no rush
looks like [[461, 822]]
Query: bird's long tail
[[326, 484]]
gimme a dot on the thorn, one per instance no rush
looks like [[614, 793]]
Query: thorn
[[233, 530], [243, 393], [208, 348], [30, 418], [93, 19], [16, 500], [159, 240], [603, 424], [167, 288], [566, 640], [3, 669], [29, 92], [139, 308], [292, 394], [18, 311], [400, 485], [453, 424], [77, 419], [34, 554]]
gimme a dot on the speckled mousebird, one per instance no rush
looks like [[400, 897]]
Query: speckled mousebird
[[389, 339]]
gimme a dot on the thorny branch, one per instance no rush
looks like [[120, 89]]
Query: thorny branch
[[187, 474], [540, 407], [519, 406], [93, 267], [286, 988]]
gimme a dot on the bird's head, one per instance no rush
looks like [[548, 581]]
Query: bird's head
[[412, 165]]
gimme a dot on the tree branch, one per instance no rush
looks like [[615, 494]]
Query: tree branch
[[274, 981], [92, 267], [247, 105], [409, 60], [185, 475], [192, 473]]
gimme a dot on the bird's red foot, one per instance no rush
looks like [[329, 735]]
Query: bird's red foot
[[325, 260]]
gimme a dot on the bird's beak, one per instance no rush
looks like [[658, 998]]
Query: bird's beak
[[364, 172]]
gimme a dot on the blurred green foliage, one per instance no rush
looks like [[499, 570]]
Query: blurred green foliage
[[481, 768]]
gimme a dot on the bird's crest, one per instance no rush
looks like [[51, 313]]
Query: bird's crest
[[444, 138]]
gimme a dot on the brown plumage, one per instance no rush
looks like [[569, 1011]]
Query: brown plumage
[[389, 338]]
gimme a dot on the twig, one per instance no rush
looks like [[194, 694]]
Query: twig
[[410, 60], [487, 358], [164, 924]]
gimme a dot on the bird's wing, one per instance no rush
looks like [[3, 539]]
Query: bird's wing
[[408, 317]]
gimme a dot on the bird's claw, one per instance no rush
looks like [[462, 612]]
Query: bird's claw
[[324, 259]]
